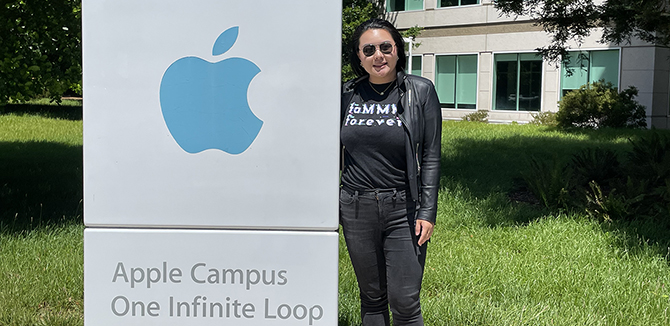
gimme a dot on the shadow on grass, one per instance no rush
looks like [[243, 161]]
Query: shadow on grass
[[40, 184], [484, 166], [490, 170], [65, 112]]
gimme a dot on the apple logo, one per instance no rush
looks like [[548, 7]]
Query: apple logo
[[204, 104]]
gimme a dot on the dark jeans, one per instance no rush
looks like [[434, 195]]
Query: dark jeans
[[379, 230]]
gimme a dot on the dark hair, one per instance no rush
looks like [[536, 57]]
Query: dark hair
[[375, 23]]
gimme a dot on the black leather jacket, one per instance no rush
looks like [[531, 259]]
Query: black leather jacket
[[422, 119]]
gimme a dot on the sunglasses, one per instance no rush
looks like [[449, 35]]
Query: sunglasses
[[370, 49]]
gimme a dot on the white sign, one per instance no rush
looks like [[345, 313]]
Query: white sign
[[189, 277], [211, 114]]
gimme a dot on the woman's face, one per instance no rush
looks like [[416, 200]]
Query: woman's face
[[381, 66]]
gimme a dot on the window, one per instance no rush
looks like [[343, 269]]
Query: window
[[590, 66], [404, 5], [517, 82], [416, 65], [454, 3], [456, 81]]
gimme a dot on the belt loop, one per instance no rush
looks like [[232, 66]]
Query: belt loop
[[356, 202]]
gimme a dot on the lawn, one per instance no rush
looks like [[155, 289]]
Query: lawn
[[492, 261], [41, 254]]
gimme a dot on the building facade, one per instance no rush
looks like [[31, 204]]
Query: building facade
[[482, 60]]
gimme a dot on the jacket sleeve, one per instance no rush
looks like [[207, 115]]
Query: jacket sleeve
[[430, 154]]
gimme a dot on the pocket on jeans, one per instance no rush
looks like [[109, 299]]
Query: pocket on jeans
[[345, 197]]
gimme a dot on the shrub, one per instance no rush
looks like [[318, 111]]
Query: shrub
[[650, 158], [613, 205], [549, 182], [546, 118], [595, 181], [649, 162], [599, 105], [479, 116], [599, 165]]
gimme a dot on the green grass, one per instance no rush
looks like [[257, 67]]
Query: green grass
[[491, 261], [40, 170], [41, 274], [41, 258]]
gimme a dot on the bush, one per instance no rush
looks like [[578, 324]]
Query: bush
[[546, 118], [549, 182], [596, 181], [479, 116], [650, 158], [599, 165], [599, 105]]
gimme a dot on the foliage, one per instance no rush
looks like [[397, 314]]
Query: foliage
[[595, 164], [629, 204], [40, 45], [40, 48], [596, 181], [549, 181], [598, 105], [545, 118], [568, 20], [479, 116], [650, 158], [413, 33]]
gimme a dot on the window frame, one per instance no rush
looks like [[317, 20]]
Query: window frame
[[589, 51], [438, 4], [477, 56], [420, 56], [494, 85], [387, 5]]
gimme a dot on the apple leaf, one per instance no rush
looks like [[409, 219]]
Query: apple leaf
[[225, 41]]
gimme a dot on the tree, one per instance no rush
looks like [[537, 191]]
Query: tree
[[40, 45], [40, 48], [620, 21]]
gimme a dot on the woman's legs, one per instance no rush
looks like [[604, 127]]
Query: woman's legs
[[362, 232], [404, 269], [378, 229]]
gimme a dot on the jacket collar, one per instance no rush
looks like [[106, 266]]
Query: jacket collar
[[353, 83]]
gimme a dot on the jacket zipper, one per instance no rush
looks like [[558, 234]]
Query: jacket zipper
[[418, 166]]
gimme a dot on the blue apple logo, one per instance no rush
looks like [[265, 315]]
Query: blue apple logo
[[205, 104]]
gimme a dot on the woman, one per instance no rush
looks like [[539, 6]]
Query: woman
[[390, 133]]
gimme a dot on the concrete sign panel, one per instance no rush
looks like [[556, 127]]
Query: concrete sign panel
[[211, 114], [218, 277]]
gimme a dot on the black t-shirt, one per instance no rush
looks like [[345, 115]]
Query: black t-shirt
[[374, 139]]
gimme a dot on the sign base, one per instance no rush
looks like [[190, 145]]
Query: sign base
[[210, 277]]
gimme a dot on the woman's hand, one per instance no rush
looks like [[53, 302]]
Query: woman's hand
[[423, 230]]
